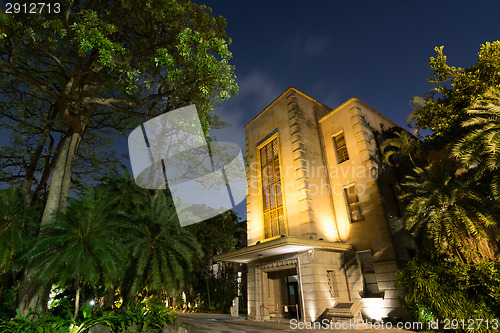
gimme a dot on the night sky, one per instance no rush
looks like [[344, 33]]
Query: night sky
[[377, 51]]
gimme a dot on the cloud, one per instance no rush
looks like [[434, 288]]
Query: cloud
[[310, 45], [261, 86], [257, 90], [314, 45], [301, 45]]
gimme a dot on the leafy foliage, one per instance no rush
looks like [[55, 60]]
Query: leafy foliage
[[156, 315], [447, 208], [398, 147], [444, 288], [443, 110], [72, 79], [479, 148], [81, 244], [158, 54], [160, 248], [138, 316], [214, 288], [35, 321], [452, 202], [482, 142], [15, 238]]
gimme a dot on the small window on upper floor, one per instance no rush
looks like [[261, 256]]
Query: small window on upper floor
[[353, 206], [340, 147]]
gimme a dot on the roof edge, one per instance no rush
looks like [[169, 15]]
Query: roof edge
[[354, 100], [278, 98]]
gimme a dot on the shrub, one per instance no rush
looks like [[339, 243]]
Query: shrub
[[35, 321], [438, 289]]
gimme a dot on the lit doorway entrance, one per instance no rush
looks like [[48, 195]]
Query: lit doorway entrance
[[281, 294], [292, 286]]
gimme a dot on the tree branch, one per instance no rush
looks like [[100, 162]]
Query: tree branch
[[35, 82]]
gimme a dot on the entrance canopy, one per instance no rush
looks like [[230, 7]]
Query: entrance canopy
[[280, 246]]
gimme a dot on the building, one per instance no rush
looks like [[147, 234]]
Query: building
[[324, 234]]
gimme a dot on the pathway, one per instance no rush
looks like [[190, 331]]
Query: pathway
[[227, 324]]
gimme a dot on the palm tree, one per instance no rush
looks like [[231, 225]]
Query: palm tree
[[15, 238], [482, 142], [402, 145], [161, 250], [443, 206], [481, 145], [82, 246], [128, 196], [11, 219]]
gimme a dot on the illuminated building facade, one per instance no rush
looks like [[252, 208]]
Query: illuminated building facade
[[323, 221]]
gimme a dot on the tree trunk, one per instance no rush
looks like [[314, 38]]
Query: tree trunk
[[77, 300], [34, 160], [61, 177], [109, 299], [32, 297], [208, 292]]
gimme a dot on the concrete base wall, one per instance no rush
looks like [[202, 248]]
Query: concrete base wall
[[322, 284]]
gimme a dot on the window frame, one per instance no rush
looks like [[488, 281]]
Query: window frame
[[261, 192], [348, 204], [337, 148]]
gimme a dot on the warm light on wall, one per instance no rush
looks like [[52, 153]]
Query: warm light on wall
[[326, 228], [343, 225], [311, 312], [375, 308]]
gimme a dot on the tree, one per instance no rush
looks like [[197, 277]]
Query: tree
[[449, 210], [402, 145], [161, 251], [29, 158], [112, 60], [96, 66], [215, 236], [480, 147], [441, 289], [451, 205], [82, 246], [15, 237], [443, 109]]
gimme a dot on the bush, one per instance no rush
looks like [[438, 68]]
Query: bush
[[35, 322], [146, 316], [8, 304], [157, 315], [438, 289]]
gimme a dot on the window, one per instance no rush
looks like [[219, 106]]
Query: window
[[332, 283], [370, 285], [353, 206], [274, 220], [340, 147]]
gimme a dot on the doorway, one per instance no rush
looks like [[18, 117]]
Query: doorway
[[292, 286], [281, 294]]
